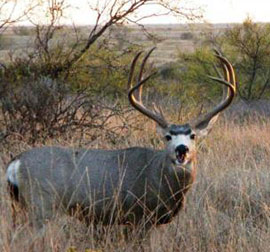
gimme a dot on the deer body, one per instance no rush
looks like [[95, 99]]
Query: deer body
[[129, 186], [139, 182]]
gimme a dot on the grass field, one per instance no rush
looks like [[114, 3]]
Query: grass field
[[228, 208]]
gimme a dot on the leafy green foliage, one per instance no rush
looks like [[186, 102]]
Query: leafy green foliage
[[246, 45], [189, 77], [103, 70], [250, 47]]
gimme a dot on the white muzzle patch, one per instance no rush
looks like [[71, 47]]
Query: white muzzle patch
[[183, 157]]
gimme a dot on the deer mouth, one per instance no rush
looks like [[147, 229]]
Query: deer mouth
[[180, 157]]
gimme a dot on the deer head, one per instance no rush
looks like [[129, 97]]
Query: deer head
[[180, 139]]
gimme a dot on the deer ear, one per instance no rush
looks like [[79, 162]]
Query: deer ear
[[205, 127]]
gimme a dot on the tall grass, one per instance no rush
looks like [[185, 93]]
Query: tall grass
[[228, 208]]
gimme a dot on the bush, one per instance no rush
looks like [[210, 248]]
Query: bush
[[40, 109], [5, 41], [187, 36]]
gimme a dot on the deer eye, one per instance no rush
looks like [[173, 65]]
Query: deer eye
[[192, 136], [168, 137]]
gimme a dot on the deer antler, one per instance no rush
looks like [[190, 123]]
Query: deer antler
[[157, 115], [228, 92]]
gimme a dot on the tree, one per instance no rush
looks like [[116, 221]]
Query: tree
[[35, 96], [247, 45], [250, 45], [107, 14], [11, 12]]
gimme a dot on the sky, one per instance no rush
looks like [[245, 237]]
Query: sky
[[215, 11], [235, 11]]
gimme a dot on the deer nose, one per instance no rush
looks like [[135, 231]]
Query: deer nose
[[181, 149]]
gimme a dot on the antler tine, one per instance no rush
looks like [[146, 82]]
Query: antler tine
[[217, 52], [227, 67], [137, 104], [131, 71], [141, 73], [159, 110], [229, 82], [225, 73], [230, 70]]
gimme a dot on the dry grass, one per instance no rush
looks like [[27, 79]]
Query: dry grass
[[228, 208]]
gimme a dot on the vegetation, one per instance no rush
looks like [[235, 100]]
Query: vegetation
[[247, 45], [250, 46], [72, 63], [226, 210], [69, 87]]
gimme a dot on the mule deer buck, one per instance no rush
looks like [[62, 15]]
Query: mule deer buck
[[134, 186]]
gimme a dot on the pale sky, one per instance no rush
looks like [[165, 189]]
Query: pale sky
[[231, 11], [215, 11]]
